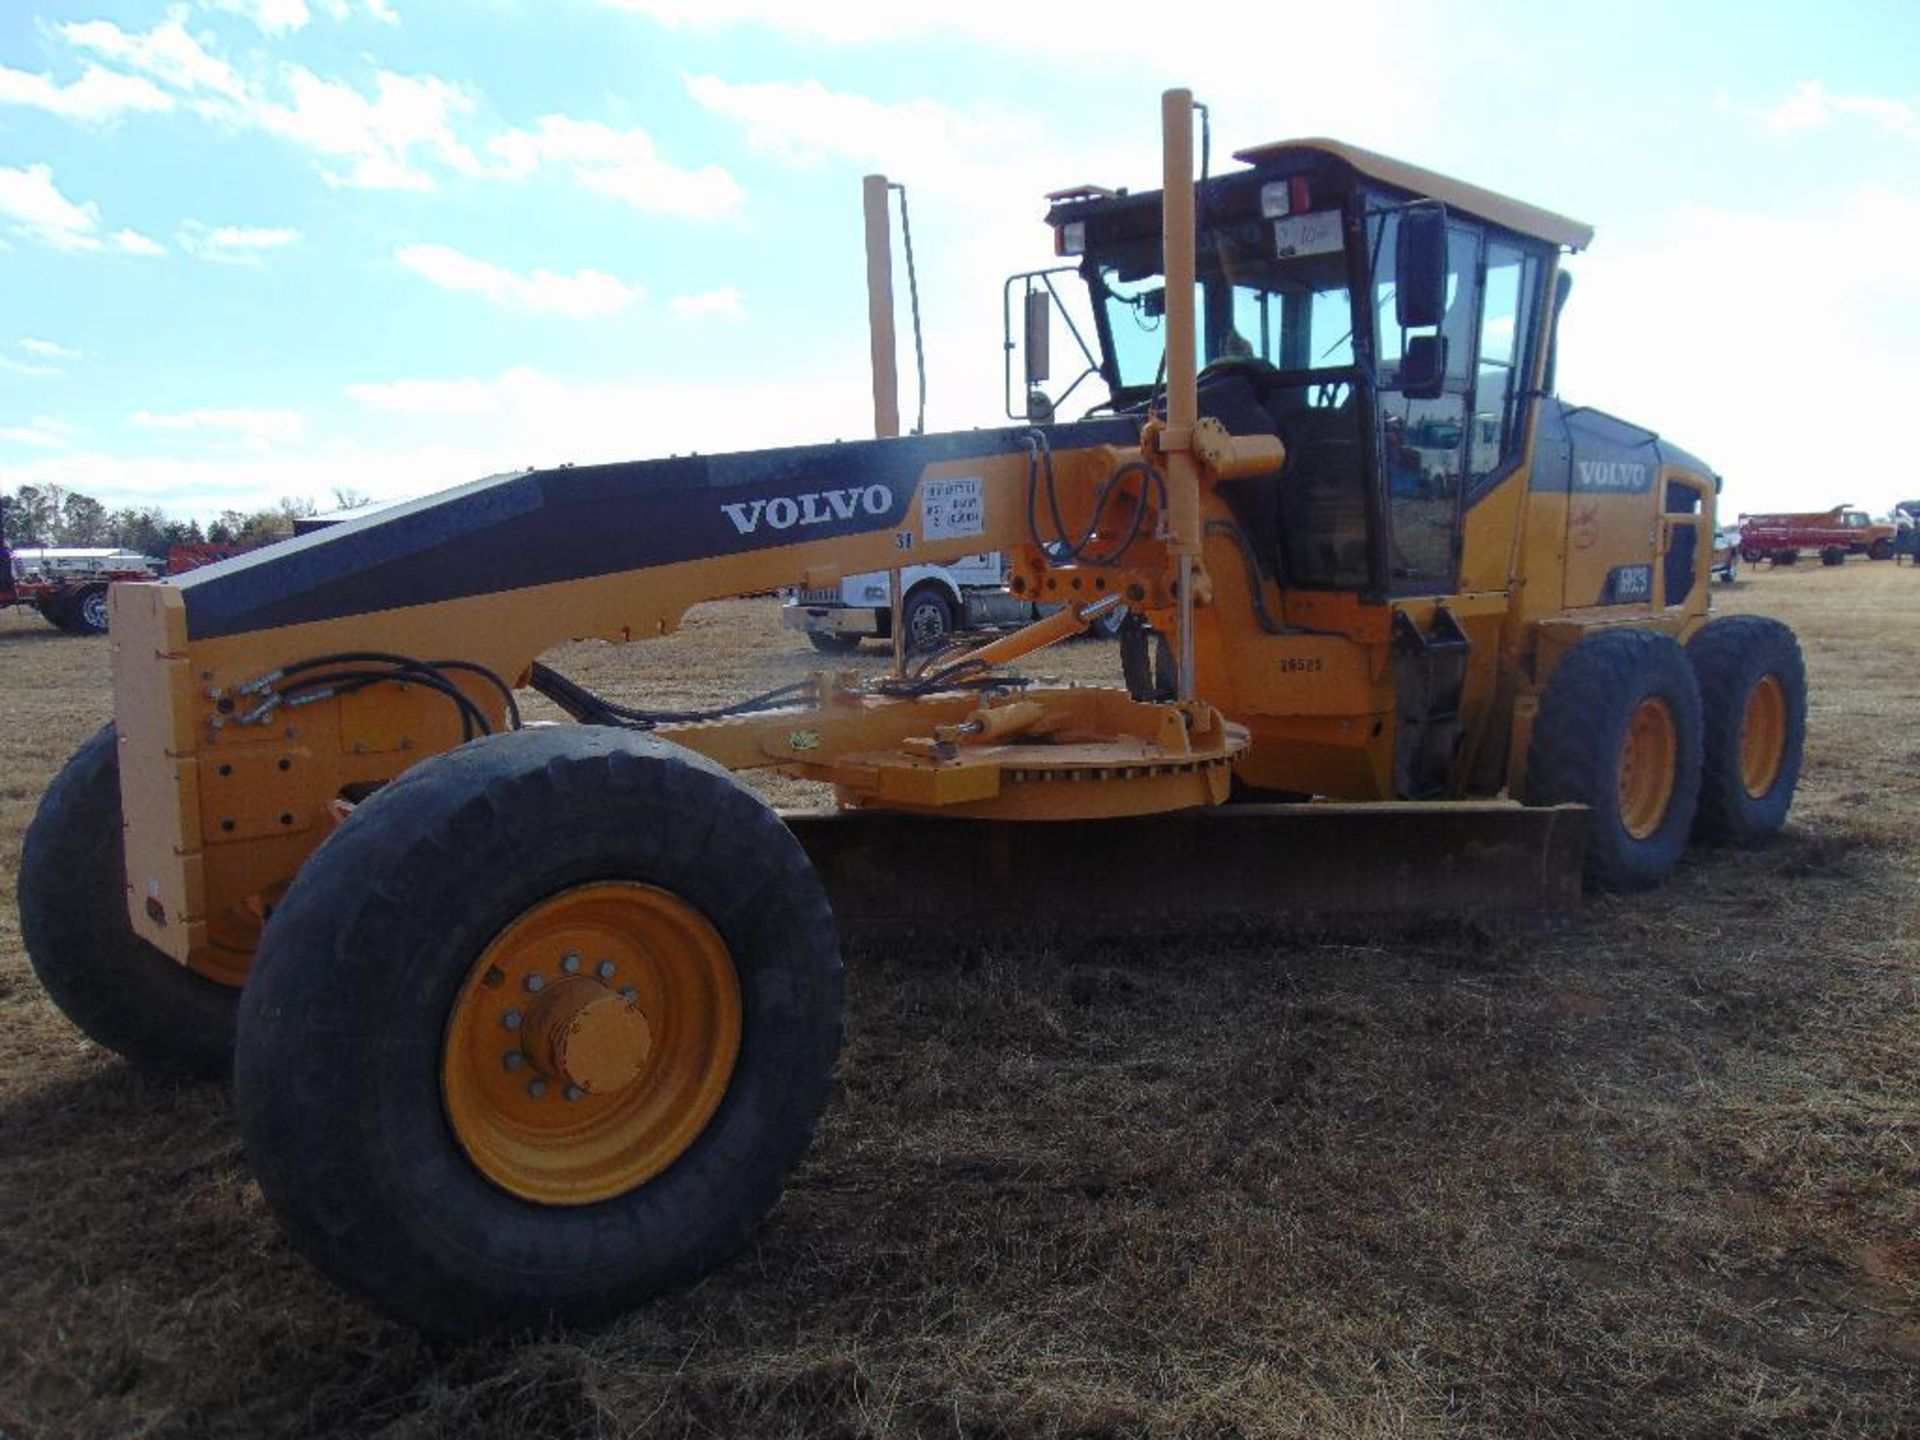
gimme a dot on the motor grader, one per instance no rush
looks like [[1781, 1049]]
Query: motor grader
[[528, 1022]]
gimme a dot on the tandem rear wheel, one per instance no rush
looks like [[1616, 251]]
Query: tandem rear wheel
[[539, 1031], [169, 1022]]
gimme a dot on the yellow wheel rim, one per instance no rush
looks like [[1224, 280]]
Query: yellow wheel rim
[[1648, 763], [1763, 736], [591, 1043]]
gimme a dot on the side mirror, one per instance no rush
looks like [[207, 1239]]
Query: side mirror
[[1423, 369], [1039, 330], [1420, 267]]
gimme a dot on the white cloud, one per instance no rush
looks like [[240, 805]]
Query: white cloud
[[43, 432], [98, 97], [623, 164], [132, 242], [274, 17], [726, 301], [582, 295], [1642, 321], [48, 349], [373, 9], [35, 207], [375, 136], [21, 367], [167, 53], [374, 139], [1812, 106], [259, 428], [233, 244]]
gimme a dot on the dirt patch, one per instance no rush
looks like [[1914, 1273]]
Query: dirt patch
[[1657, 1176]]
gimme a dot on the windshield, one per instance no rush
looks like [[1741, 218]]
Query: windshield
[[1294, 312]]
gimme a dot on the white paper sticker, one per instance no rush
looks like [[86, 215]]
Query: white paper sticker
[[1314, 234], [951, 508]]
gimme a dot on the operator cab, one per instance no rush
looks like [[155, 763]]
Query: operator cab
[[1398, 410]]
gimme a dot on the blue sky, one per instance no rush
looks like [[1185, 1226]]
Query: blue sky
[[258, 248]]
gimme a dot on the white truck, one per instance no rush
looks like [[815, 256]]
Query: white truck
[[970, 594]]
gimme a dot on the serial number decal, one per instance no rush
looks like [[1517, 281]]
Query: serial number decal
[[950, 509], [1300, 664]]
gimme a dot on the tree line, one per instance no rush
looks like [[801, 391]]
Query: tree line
[[38, 515]]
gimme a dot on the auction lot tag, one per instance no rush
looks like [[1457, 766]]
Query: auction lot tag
[[1314, 234], [950, 509]]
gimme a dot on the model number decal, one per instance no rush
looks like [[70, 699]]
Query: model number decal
[[1300, 664], [1627, 584], [950, 509]]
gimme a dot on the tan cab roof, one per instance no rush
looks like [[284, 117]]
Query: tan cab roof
[[1486, 204]]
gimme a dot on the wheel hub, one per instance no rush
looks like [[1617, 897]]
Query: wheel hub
[[584, 1034], [592, 1042]]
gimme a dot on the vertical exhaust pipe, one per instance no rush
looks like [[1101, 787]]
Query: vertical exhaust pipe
[[880, 337], [1183, 404]]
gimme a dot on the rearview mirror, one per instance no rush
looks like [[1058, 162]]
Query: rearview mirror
[[1420, 267], [1423, 369], [1039, 329]]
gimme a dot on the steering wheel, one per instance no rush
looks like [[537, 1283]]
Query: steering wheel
[[1248, 367]]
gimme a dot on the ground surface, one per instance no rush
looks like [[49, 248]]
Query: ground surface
[[1656, 1177]]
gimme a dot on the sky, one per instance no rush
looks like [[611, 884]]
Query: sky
[[253, 249]]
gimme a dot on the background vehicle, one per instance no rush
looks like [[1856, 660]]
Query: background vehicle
[[940, 601], [1835, 534], [68, 586], [537, 1020]]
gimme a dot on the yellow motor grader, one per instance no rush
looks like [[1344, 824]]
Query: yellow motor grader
[[527, 1022]]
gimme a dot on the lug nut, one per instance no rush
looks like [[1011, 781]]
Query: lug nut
[[570, 963], [604, 969], [511, 1019], [537, 1089], [514, 1059], [574, 1092], [630, 995], [534, 984]]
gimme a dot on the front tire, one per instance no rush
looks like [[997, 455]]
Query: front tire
[[1619, 731], [927, 618], [1753, 694], [1880, 550], [167, 1021], [404, 1081]]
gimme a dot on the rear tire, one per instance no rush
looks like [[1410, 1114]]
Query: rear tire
[[1833, 557], [167, 1021], [1785, 557], [834, 642], [1619, 731], [358, 1036], [1753, 695], [87, 614]]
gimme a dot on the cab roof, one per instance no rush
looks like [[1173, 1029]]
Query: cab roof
[[1456, 194]]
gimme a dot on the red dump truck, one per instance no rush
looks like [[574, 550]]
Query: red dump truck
[[1835, 534]]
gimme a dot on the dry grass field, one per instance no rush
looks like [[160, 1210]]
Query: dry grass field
[[1657, 1176]]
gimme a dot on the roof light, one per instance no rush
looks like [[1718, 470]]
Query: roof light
[[1070, 238]]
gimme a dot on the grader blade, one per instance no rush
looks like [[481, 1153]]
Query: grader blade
[[1314, 867]]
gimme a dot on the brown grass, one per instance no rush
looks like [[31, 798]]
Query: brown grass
[[1657, 1177]]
